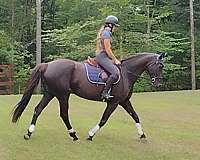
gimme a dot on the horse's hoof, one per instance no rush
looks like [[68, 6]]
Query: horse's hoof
[[73, 135], [75, 138], [143, 138], [26, 137], [89, 138]]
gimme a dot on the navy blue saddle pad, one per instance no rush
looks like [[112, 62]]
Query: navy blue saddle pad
[[96, 74]]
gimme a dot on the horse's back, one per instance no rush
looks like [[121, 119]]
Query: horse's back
[[59, 74], [60, 67]]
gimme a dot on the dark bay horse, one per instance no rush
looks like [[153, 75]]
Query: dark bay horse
[[62, 77]]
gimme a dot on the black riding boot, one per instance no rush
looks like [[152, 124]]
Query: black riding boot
[[105, 95]]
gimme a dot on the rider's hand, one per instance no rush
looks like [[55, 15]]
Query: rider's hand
[[117, 62]]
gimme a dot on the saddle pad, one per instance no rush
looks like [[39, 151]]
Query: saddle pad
[[96, 74]]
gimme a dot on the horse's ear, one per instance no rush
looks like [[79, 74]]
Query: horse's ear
[[162, 55]]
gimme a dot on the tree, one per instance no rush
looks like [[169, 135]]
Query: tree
[[38, 37], [192, 46], [69, 31]]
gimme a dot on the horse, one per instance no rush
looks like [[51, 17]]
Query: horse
[[62, 77]]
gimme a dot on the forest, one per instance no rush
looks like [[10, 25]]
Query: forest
[[69, 29]]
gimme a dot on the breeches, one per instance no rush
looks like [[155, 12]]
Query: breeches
[[107, 64]]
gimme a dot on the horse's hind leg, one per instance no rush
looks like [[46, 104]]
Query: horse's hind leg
[[128, 107], [64, 107], [38, 109]]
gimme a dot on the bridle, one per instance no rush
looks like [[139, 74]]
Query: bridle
[[154, 77], [159, 61]]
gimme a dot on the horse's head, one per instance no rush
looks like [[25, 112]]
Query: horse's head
[[154, 69]]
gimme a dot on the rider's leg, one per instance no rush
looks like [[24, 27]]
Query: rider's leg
[[107, 64], [106, 93]]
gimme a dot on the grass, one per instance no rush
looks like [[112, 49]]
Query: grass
[[170, 120]]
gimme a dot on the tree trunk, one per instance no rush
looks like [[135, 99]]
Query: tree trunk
[[13, 16], [192, 46], [147, 9], [12, 25], [149, 23], [38, 37]]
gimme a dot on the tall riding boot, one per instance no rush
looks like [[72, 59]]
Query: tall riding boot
[[105, 95]]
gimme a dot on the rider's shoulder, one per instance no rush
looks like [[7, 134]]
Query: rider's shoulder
[[106, 33]]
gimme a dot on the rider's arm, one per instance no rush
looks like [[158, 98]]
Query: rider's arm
[[109, 50]]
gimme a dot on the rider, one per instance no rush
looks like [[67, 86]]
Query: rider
[[105, 56]]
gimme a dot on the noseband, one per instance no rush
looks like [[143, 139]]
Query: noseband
[[154, 77]]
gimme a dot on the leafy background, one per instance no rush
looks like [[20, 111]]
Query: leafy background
[[69, 30]]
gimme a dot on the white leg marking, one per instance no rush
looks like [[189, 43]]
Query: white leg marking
[[71, 130], [31, 128], [139, 128], [93, 130]]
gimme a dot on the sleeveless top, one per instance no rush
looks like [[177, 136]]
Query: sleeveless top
[[102, 34]]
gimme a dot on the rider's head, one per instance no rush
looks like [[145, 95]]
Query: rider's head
[[111, 21]]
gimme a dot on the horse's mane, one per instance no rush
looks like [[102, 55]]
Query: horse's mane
[[137, 55]]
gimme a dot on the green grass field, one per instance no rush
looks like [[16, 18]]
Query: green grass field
[[171, 121]]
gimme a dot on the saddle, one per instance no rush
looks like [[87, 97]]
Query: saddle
[[95, 73], [92, 61]]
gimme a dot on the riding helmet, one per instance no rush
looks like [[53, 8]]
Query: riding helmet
[[112, 20]]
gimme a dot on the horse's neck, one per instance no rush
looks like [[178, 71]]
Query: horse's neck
[[133, 69]]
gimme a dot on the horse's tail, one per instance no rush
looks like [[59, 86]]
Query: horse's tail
[[32, 83]]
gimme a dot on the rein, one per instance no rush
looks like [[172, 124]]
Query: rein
[[153, 79], [138, 76]]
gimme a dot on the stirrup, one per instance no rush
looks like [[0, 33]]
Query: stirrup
[[107, 96]]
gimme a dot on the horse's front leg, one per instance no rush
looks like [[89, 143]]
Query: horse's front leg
[[64, 107], [108, 111], [128, 107]]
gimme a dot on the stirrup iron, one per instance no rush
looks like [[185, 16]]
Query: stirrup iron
[[107, 96]]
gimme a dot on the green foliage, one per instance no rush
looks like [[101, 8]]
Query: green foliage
[[69, 30], [6, 49], [21, 69], [75, 42], [14, 53]]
